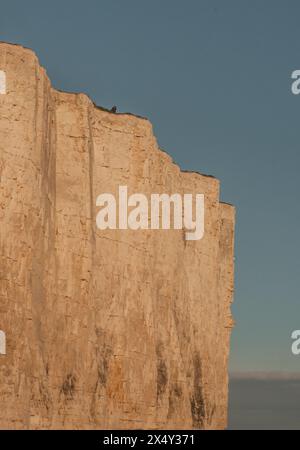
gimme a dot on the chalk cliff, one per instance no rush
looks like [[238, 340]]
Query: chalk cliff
[[104, 329]]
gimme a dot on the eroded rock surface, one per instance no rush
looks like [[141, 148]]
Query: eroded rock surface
[[104, 329]]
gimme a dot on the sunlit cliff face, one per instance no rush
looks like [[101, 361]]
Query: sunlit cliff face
[[105, 328]]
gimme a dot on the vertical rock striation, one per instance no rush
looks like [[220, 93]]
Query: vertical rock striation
[[104, 329]]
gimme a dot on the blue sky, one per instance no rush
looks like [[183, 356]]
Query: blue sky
[[214, 78]]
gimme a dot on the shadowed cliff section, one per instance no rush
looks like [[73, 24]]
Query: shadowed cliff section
[[105, 329]]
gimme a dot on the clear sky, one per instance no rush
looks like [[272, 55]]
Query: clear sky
[[214, 77]]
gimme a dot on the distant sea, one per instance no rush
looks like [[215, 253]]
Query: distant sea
[[264, 404]]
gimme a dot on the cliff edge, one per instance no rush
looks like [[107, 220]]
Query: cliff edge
[[104, 328]]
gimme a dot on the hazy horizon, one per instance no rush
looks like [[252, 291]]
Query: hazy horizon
[[271, 375], [264, 404]]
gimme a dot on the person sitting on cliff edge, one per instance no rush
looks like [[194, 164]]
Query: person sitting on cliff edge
[[113, 109]]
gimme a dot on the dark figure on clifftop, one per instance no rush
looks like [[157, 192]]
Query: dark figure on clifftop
[[113, 109]]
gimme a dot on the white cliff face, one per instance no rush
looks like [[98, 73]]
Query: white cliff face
[[104, 328]]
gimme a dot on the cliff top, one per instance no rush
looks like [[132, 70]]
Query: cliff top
[[32, 53]]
